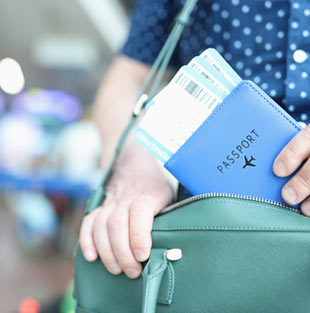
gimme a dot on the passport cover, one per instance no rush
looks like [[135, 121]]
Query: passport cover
[[234, 149]]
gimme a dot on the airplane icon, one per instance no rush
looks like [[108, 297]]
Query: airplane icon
[[248, 162]]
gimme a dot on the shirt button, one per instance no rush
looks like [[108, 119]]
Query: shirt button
[[300, 56], [302, 124]]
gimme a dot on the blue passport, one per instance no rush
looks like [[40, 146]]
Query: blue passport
[[234, 149]]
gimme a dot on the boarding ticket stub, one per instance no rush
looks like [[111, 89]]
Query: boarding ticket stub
[[209, 72], [220, 64], [176, 112]]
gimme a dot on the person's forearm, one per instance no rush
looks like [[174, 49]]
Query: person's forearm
[[119, 231], [116, 99]]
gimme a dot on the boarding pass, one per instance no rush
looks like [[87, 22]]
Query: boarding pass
[[183, 105]]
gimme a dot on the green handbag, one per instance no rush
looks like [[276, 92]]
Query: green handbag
[[238, 256], [211, 253]]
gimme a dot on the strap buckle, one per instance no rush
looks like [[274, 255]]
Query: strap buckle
[[140, 104]]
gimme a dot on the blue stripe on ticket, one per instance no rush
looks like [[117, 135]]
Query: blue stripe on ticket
[[149, 104], [152, 145], [214, 73], [227, 68]]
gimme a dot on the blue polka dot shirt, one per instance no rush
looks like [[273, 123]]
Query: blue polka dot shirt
[[267, 42]]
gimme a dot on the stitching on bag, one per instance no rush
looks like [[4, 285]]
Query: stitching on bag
[[147, 294], [230, 227], [299, 229], [256, 204], [170, 289], [147, 287], [146, 268], [161, 269], [155, 275], [224, 103]]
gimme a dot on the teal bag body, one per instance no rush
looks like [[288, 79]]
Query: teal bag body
[[238, 256]]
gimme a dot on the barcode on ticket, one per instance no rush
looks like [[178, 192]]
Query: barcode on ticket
[[198, 68], [200, 71], [198, 92]]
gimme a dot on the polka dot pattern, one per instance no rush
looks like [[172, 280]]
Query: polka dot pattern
[[298, 63], [252, 35]]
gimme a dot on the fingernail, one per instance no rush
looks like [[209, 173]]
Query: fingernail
[[90, 255], [289, 195], [132, 272], [140, 255], [279, 168], [306, 208], [115, 269]]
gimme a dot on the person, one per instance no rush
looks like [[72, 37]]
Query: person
[[265, 41]]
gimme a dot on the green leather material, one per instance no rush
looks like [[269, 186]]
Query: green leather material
[[152, 276], [239, 256], [165, 295], [158, 276]]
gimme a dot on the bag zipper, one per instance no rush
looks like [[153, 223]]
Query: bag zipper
[[226, 195]]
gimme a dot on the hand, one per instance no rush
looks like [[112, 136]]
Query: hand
[[297, 189], [120, 230]]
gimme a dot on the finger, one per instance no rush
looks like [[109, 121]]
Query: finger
[[142, 212], [293, 154], [101, 238], [305, 207], [119, 238], [298, 187], [86, 237]]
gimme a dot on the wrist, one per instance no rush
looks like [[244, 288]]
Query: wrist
[[136, 160]]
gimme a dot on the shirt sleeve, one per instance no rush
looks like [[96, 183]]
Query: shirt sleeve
[[150, 26]]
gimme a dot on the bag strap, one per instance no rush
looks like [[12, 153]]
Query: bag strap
[[156, 72], [152, 275]]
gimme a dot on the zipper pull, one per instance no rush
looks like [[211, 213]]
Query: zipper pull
[[174, 254]]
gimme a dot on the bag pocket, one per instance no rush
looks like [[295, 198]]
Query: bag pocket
[[239, 255]]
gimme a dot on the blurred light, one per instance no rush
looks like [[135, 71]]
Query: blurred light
[[20, 141], [48, 104], [12, 79], [29, 305]]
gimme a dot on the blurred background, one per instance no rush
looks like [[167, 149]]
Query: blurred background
[[53, 55]]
